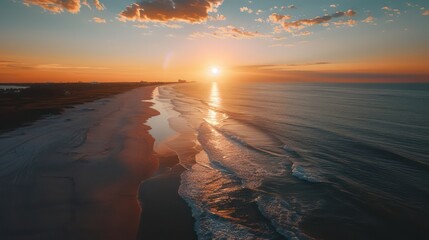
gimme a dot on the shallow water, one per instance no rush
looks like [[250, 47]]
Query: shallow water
[[303, 161]]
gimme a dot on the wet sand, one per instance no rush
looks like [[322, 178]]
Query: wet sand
[[77, 175], [165, 215]]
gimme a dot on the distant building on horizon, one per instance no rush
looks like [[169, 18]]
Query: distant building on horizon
[[182, 81]]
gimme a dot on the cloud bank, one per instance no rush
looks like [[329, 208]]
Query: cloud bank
[[59, 6], [189, 11]]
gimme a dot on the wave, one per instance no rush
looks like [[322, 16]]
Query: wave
[[245, 143], [250, 165], [299, 171], [284, 216], [219, 203]]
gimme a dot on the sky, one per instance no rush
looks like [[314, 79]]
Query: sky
[[258, 40]]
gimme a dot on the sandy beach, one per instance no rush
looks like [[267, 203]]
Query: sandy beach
[[77, 175]]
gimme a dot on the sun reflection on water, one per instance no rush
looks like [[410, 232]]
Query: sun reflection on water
[[214, 95], [214, 102]]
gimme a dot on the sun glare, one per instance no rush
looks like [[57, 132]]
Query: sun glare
[[215, 71]]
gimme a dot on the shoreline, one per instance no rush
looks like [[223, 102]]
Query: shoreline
[[165, 215], [76, 175]]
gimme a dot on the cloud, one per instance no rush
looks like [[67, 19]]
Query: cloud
[[390, 11], [98, 20], [141, 26], [349, 23], [217, 17], [302, 33], [260, 20], [425, 13], [275, 17], [302, 23], [5, 64], [278, 67], [282, 45], [369, 19], [44, 67], [54, 66], [189, 11], [59, 6], [246, 9], [229, 32], [171, 25], [98, 5]]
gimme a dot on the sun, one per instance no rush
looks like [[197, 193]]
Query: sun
[[215, 71]]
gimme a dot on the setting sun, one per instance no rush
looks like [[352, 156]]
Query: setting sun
[[215, 71]]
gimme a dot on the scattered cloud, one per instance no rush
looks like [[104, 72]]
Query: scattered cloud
[[6, 64], [171, 25], [217, 17], [390, 11], [44, 67], [425, 13], [282, 45], [349, 23], [229, 32], [97, 4], [278, 67], [302, 33], [302, 23], [66, 67], [98, 20], [59, 6], [369, 19], [246, 9], [260, 20], [141, 26], [275, 17], [189, 11]]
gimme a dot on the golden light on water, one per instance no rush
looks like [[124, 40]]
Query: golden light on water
[[214, 101], [214, 95]]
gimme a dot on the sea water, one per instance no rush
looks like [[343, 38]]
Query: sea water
[[303, 161]]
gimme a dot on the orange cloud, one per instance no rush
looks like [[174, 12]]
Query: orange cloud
[[98, 5], [275, 17], [59, 6], [190, 11], [98, 20]]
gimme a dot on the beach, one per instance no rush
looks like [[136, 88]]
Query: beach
[[77, 175]]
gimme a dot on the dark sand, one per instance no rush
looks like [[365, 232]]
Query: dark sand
[[30, 104], [165, 215], [77, 175]]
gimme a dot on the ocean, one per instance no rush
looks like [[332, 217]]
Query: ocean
[[301, 161]]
